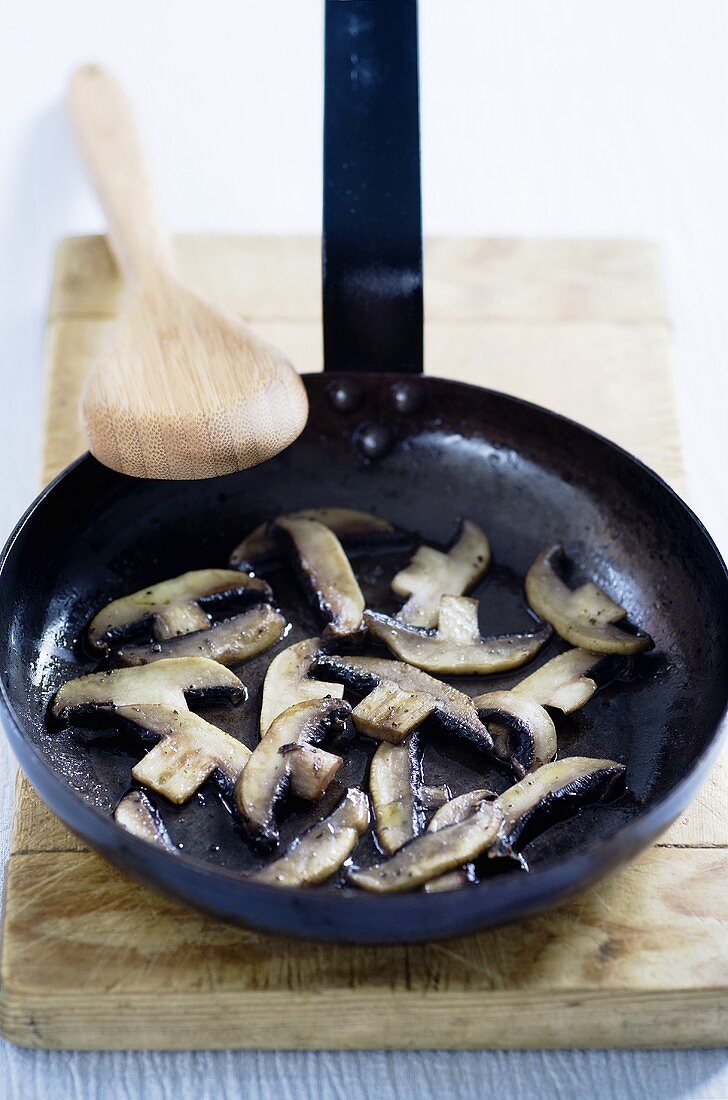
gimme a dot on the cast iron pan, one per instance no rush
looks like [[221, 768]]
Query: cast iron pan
[[422, 452]]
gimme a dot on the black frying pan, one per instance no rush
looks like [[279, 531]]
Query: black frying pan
[[420, 451]]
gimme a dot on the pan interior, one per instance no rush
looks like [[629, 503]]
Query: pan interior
[[527, 478]]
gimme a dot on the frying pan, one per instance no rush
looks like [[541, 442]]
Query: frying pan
[[423, 452]]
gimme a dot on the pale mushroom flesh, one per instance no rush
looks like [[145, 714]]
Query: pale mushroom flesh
[[138, 816], [352, 527], [229, 641], [523, 732], [393, 786], [432, 574]]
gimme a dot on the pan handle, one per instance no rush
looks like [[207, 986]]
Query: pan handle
[[372, 218]]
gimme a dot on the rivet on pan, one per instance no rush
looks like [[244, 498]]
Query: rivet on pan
[[373, 439], [346, 395], [408, 397]]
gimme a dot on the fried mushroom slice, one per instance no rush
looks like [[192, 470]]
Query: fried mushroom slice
[[327, 573], [583, 616], [287, 682], [392, 781], [452, 812], [403, 687], [456, 648], [433, 854], [351, 526], [316, 855], [267, 773], [175, 606], [562, 682], [523, 732], [230, 641], [432, 574], [138, 816], [554, 792], [168, 682], [312, 770]]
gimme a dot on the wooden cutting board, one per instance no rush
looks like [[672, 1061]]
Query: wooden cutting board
[[93, 960]]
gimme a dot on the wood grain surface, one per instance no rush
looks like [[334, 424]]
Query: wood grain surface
[[93, 961]]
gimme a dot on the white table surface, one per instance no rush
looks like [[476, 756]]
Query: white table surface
[[546, 117]]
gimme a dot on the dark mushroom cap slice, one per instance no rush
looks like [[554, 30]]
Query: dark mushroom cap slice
[[267, 773], [440, 652], [321, 850], [138, 816], [312, 770], [169, 682], [421, 696], [350, 525], [523, 732], [583, 616], [432, 574], [287, 681], [393, 776], [327, 574], [173, 606], [433, 854], [187, 753], [552, 793], [562, 682], [230, 641]]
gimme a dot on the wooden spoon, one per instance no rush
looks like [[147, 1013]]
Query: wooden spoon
[[181, 389]]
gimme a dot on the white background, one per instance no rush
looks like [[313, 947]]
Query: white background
[[543, 117]]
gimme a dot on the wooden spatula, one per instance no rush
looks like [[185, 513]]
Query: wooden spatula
[[182, 389]]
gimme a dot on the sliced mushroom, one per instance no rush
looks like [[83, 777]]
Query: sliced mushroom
[[350, 525], [392, 777], [320, 852], [432, 854], [287, 682], [466, 653], [523, 732], [561, 683], [175, 606], [583, 616], [169, 682], [312, 770], [432, 574], [418, 695], [552, 793], [432, 798], [230, 641], [137, 815], [327, 572], [268, 770], [451, 813], [187, 753]]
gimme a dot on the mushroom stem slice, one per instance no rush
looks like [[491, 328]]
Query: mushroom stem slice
[[432, 574], [268, 770], [392, 777], [168, 681], [583, 616], [188, 751], [320, 852], [312, 770], [328, 574], [350, 525], [433, 652], [451, 708], [552, 793], [562, 682], [287, 682], [173, 606], [230, 641], [390, 714], [433, 853], [138, 816], [523, 732]]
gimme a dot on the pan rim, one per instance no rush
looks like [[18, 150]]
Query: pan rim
[[524, 894]]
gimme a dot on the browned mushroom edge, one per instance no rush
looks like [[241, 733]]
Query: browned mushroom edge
[[584, 616], [229, 641], [176, 606]]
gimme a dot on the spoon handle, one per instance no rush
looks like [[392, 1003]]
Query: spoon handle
[[107, 137]]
